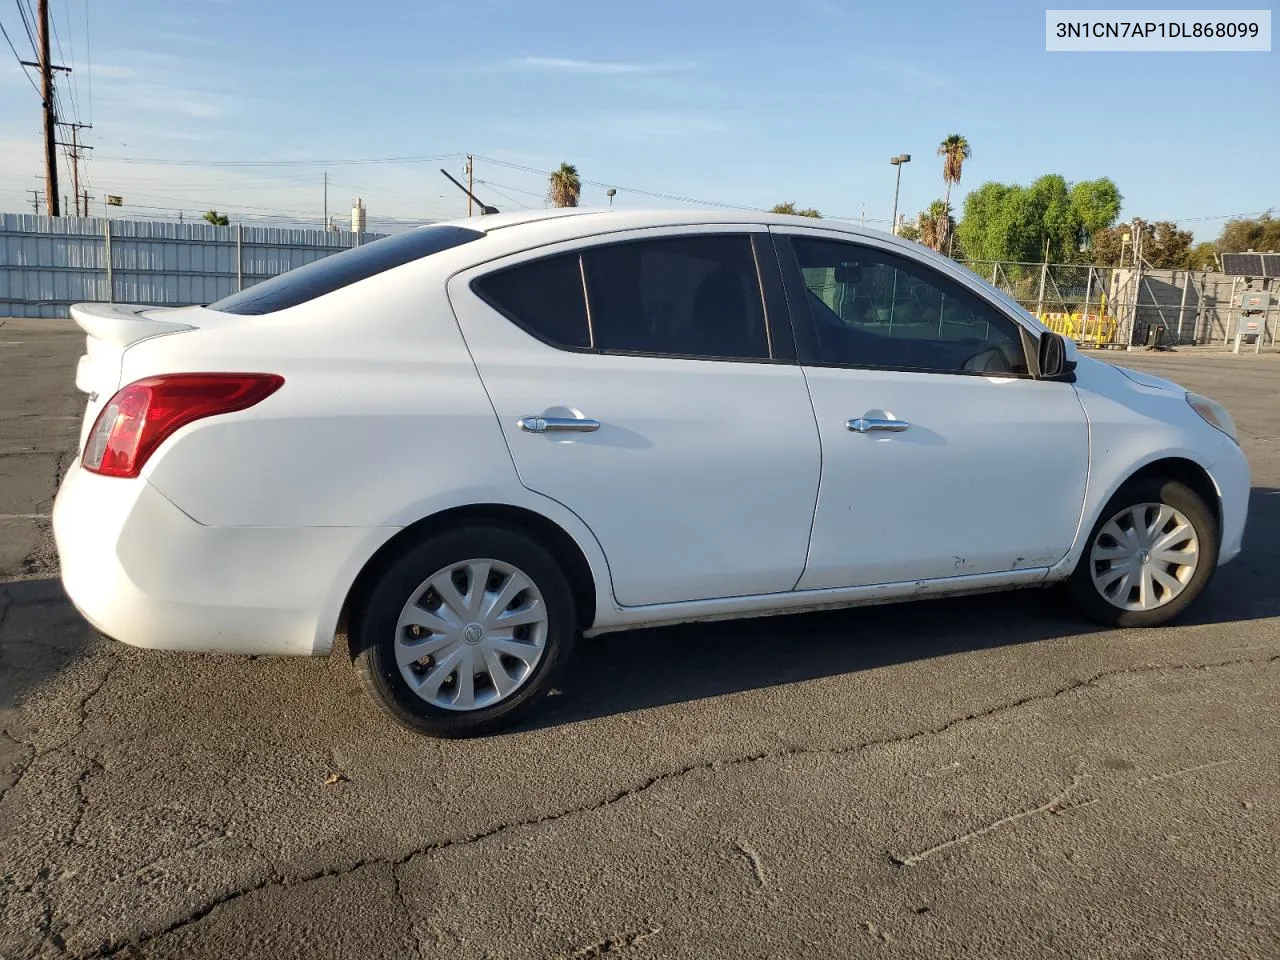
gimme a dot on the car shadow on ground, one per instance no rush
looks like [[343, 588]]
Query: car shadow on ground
[[619, 673], [41, 634]]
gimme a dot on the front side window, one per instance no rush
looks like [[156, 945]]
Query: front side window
[[875, 309], [692, 296]]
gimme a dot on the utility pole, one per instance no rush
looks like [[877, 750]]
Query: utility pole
[[35, 201], [326, 200], [46, 91], [74, 149], [471, 181]]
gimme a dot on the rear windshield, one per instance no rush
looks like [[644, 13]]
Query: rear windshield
[[340, 269]]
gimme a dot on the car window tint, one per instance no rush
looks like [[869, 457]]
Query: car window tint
[[342, 269], [879, 310], [544, 297], [696, 296]]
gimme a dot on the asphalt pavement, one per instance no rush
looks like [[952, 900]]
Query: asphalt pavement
[[983, 777]]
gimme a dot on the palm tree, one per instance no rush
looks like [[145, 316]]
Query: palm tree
[[954, 150], [565, 187], [936, 225]]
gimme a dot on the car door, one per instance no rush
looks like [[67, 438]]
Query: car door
[[645, 382], [942, 455]]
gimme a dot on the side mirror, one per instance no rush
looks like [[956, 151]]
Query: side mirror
[[1053, 356]]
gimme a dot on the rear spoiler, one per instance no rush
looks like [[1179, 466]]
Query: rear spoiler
[[121, 325]]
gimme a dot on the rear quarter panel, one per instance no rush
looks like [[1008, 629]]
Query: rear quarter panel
[[381, 412], [382, 420]]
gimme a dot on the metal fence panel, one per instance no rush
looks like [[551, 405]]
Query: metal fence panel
[[1118, 306], [47, 264]]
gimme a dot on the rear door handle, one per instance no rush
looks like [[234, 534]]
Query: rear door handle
[[873, 425], [558, 425]]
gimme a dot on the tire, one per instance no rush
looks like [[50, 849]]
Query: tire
[[1120, 603], [454, 632]]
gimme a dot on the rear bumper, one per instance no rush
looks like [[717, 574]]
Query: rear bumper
[[1230, 474], [144, 573]]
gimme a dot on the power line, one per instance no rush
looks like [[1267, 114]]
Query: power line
[[494, 187], [73, 93], [636, 190], [88, 52], [507, 186], [18, 57], [278, 163], [26, 24]]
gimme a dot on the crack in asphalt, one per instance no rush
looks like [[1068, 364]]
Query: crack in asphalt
[[49, 931], [408, 914], [112, 948], [614, 943], [1054, 803], [23, 766]]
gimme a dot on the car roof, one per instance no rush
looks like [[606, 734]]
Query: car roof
[[597, 219]]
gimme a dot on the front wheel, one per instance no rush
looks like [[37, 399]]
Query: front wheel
[[465, 631], [1149, 556]]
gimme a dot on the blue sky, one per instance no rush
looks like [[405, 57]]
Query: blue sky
[[744, 103]]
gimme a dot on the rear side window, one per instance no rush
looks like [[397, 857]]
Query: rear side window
[[544, 298], [342, 269], [681, 296], [695, 297]]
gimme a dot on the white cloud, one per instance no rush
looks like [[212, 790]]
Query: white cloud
[[157, 84], [567, 65]]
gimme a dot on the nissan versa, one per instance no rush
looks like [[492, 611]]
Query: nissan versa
[[467, 444]]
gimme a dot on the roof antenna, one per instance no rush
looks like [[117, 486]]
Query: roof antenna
[[484, 207]]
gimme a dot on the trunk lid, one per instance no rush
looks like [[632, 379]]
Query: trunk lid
[[111, 329]]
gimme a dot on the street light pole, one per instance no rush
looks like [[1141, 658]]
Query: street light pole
[[897, 161]]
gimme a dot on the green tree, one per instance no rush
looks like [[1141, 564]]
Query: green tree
[[954, 150], [1169, 247], [909, 231], [1203, 256], [789, 207], [1048, 219], [1097, 204], [564, 188], [216, 218], [1108, 246], [1162, 245], [1262, 233]]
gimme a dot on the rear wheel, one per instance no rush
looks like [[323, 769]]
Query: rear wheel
[[1149, 556], [465, 631]]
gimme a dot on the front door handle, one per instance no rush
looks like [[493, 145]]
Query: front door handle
[[558, 425], [874, 425]]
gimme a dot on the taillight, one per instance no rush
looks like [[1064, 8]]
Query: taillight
[[142, 415]]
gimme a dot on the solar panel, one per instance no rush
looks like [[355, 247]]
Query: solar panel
[[1242, 264], [1271, 264]]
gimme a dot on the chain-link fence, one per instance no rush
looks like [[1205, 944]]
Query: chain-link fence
[[1123, 306]]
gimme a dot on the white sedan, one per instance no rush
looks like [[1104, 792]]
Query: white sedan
[[468, 444]]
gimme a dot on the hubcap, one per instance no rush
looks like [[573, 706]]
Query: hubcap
[[1144, 556], [471, 634]]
